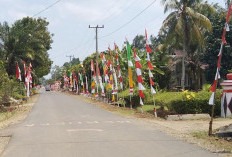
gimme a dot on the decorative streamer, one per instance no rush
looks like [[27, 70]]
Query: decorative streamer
[[138, 67], [100, 80], [150, 67], [217, 76], [93, 78], [118, 67], [130, 65]]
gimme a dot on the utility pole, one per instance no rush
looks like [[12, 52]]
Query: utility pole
[[70, 57], [97, 55]]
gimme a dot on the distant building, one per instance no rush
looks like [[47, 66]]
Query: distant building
[[194, 72]]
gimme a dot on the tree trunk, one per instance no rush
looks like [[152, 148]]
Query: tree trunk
[[185, 48]]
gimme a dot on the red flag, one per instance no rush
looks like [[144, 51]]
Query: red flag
[[140, 79], [149, 50], [141, 94], [228, 13], [223, 36], [213, 88], [138, 65], [149, 65], [151, 82], [109, 62], [146, 33]]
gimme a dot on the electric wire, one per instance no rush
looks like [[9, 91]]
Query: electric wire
[[46, 8], [125, 24]]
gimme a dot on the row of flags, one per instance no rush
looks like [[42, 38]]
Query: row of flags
[[111, 76], [27, 76], [76, 84], [109, 82]]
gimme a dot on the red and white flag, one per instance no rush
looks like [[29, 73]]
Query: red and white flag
[[100, 80], [18, 73], [118, 66], [217, 75], [25, 73], [93, 77], [138, 67], [150, 67]]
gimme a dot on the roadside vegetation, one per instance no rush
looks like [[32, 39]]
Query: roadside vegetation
[[26, 40]]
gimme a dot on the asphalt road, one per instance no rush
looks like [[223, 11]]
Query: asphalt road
[[63, 126]]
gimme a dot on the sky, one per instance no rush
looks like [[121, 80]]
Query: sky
[[70, 19]]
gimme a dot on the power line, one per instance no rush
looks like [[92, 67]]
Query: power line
[[116, 30], [46, 8]]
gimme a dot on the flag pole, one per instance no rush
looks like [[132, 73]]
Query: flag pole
[[130, 103], [214, 87], [153, 97], [214, 96]]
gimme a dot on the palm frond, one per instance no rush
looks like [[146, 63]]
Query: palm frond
[[179, 25], [196, 35], [169, 21], [200, 20], [170, 6]]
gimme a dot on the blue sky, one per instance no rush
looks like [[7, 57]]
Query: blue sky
[[69, 21]]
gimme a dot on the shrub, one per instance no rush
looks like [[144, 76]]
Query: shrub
[[9, 87], [198, 104], [175, 102], [135, 97]]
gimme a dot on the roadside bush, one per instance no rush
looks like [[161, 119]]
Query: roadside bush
[[9, 87], [175, 102], [198, 104], [135, 97]]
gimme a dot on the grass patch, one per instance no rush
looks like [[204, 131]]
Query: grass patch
[[6, 115], [125, 111], [213, 140]]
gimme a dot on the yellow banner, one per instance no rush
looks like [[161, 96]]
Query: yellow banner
[[130, 77]]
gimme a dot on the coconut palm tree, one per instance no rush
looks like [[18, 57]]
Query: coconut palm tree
[[185, 23]]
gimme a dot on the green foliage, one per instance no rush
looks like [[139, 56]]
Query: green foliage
[[135, 99], [199, 104], [206, 87], [9, 87], [212, 48], [27, 39], [165, 98], [175, 102]]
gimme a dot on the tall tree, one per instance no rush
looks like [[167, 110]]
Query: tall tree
[[213, 46], [27, 39], [139, 43], [185, 23]]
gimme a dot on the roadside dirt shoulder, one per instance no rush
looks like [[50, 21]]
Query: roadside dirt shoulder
[[14, 117]]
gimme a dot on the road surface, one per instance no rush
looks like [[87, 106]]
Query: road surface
[[63, 126]]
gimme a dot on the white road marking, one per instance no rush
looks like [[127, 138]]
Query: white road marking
[[47, 124], [76, 130], [109, 122], [58, 124], [71, 123], [29, 125]]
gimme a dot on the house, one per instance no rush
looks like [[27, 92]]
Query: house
[[194, 72]]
